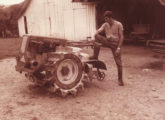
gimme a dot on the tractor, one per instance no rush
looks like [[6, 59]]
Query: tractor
[[57, 63]]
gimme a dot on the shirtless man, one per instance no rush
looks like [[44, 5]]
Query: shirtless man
[[113, 39]]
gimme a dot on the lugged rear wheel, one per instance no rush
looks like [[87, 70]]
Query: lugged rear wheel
[[67, 74]]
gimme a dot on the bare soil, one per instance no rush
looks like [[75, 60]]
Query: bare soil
[[142, 97]]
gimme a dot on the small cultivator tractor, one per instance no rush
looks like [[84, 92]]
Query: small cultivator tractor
[[55, 63]]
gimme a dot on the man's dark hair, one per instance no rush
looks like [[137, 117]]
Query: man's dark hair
[[108, 14]]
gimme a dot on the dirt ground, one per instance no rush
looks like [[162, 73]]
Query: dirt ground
[[142, 97]]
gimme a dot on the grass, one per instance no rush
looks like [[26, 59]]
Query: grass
[[9, 47]]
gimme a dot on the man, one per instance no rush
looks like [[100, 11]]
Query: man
[[113, 39]]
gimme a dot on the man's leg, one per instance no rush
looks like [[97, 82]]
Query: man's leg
[[113, 46], [96, 51], [98, 41], [118, 61]]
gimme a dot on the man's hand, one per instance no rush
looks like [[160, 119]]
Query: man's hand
[[117, 52], [109, 39]]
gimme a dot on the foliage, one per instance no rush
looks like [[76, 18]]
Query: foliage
[[8, 23]]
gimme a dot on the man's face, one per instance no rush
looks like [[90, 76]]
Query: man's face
[[107, 19]]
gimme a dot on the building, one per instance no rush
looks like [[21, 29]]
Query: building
[[66, 19], [76, 19]]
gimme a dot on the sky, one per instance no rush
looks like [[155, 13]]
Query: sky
[[10, 2]]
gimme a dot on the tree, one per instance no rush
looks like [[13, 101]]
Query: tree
[[8, 23]]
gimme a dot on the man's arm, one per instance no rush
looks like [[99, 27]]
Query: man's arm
[[101, 29], [121, 36]]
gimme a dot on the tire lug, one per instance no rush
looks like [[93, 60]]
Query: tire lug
[[74, 92], [81, 86], [64, 94], [54, 88]]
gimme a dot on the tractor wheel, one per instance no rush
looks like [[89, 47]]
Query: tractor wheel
[[67, 74]]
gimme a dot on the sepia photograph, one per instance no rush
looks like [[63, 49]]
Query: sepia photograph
[[82, 59]]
